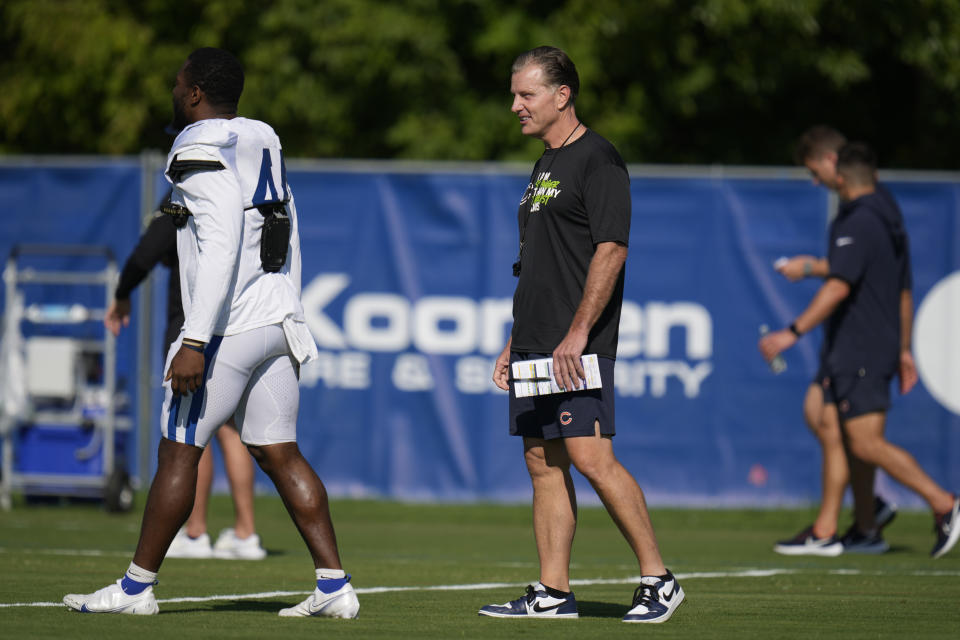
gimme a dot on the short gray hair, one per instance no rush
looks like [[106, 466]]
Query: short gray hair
[[556, 65]]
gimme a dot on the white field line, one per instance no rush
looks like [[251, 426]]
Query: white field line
[[69, 552], [745, 573]]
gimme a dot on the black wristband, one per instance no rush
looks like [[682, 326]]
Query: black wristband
[[193, 347], [794, 330]]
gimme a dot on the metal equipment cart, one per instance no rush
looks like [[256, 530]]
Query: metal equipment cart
[[71, 442]]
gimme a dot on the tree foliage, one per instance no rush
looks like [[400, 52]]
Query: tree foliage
[[692, 81]]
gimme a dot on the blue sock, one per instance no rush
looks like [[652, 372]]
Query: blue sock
[[332, 584], [137, 579], [131, 587]]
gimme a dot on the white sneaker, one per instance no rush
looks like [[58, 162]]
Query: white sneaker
[[655, 599], [947, 528], [183, 546], [807, 544], [536, 603], [112, 599], [342, 603], [229, 547]]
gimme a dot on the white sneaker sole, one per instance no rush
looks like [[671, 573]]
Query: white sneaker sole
[[145, 607], [831, 551], [538, 616]]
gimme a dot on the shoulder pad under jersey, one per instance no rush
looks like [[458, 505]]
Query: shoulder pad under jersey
[[199, 148], [193, 158]]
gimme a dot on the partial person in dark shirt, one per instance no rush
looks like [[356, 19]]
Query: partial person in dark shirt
[[574, 227], [817, 150], [158, 245], [860, 304]]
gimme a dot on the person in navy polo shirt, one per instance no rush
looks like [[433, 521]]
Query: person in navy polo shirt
[[860, 305], [817, 150]]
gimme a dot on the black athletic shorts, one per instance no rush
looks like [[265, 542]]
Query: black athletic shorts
[[564, 415], [857, 394]]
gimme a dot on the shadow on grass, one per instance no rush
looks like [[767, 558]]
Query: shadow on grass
[[238, 606], [589, 609], [899, 548]]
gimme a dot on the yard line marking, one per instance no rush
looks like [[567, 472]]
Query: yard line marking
[[480, 586], [69, 552]]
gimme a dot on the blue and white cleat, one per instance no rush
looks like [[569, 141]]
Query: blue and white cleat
[[112, 599], [655, 599], [341, 603], [536, 603]]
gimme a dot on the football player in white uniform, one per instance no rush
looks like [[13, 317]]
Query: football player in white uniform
[[244, 336]]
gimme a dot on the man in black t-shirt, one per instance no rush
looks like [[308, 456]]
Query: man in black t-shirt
[[860, 303], [574, 225]]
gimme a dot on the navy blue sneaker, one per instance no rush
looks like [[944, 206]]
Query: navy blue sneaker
[[854, 541], [883, 512], [655, 599], [947, 528], [807, 544], [537, 603]]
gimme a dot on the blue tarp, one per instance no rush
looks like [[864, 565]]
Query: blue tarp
[[407, 288]]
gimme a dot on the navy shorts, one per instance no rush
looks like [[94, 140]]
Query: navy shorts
[[564, 415], [857, 394]]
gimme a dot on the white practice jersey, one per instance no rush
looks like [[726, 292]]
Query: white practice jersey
[[221, 170]]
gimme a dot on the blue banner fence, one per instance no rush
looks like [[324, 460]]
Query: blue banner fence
[[407, 288]]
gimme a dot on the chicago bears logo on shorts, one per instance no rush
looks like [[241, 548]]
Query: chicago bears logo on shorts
[[566, 417]]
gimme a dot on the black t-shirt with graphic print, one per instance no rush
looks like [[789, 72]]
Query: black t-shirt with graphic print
[[867, 251], [578, 196]]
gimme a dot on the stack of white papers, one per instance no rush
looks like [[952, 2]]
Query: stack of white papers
[[535, 377]]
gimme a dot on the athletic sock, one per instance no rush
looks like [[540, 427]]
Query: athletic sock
[[137, 579], [556, 593], [330, 580]]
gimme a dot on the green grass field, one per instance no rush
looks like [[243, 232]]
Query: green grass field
[[736, 586]]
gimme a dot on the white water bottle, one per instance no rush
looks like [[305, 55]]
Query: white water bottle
[[778, 365]]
